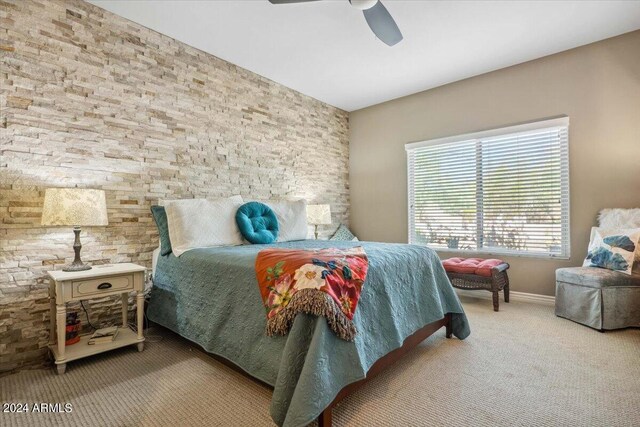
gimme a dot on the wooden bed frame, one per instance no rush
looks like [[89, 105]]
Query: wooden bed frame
[[324, 420]]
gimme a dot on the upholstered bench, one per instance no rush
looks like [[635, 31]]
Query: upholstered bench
[[476, 273], [599, 298]]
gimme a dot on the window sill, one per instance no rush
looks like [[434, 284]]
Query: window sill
[[471, 253]]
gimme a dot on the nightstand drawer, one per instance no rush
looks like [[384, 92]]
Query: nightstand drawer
[[83, 288]]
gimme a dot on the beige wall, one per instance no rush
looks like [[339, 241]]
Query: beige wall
[[597, 86]]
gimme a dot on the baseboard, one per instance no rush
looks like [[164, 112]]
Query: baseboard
[[513, 296]]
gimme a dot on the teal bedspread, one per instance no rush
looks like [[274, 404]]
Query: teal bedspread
[[211, 297]]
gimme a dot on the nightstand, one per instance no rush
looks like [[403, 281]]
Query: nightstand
[[100, 281]]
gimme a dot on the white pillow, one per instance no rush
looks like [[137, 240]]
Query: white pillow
[[613, 249], [154, 260], [619, 218], [292, 219], [202, 223]]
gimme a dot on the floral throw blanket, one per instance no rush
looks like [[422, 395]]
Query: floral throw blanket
[[323, 282]]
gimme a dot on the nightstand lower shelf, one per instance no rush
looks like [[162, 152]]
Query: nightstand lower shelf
[[82, 349]]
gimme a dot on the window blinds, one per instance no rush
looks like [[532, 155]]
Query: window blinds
[[499, 191]]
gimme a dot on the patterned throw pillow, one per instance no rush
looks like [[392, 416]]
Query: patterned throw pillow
[[622, 219], [343, 233], [612, 249]]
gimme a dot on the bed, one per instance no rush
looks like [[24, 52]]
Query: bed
[[210, 296]]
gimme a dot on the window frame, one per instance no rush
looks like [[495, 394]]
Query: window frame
[[559, 122]]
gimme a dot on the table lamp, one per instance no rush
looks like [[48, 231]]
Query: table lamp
[[318, 215], [76, 207]]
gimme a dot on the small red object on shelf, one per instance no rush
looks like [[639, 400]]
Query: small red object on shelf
[[72, 335]]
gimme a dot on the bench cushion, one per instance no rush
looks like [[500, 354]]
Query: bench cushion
[[478, 266], [593, 277]]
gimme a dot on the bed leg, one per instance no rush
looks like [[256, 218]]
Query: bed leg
[[449, 327], [324, 420]]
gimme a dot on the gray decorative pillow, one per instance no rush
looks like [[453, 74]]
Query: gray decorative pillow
[[160, 216], [343, 233]]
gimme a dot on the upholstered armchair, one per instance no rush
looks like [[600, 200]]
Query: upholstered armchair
[[599, 298]]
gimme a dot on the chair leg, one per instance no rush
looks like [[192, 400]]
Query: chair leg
[[506, 293], [496, 301]]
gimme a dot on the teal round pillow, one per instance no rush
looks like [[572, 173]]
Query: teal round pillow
[[257, 223]]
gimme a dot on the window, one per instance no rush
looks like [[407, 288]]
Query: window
[[503, 191]]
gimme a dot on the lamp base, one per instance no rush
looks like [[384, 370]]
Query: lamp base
[[77, 267], [77, 264]]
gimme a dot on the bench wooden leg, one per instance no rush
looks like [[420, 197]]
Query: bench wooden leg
[[324, 420], [496, 301]]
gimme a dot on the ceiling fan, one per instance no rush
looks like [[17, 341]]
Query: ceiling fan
[[377, 16]]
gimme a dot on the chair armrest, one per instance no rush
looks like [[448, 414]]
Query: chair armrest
[[502, 267]]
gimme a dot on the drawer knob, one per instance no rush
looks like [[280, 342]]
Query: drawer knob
[[105, 285]]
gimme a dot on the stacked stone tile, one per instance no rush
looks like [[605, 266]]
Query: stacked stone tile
[[90, 99]]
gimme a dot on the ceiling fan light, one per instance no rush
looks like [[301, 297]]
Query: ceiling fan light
[[363, 4]]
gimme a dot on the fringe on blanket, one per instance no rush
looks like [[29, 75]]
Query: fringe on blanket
[[317, 303]]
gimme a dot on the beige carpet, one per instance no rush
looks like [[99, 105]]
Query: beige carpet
[[520, 367]]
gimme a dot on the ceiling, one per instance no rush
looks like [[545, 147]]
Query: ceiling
[[325, 49]]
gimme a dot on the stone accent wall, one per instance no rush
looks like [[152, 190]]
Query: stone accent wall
[[90, 99]]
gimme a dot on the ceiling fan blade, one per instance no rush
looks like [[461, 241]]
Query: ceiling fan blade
[[382, 24], [289, 1]]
